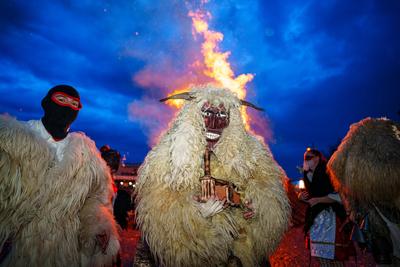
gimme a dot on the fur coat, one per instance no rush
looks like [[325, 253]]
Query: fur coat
[[365, 169], [52, 211], [168, 180]]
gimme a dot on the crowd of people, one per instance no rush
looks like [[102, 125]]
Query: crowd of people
[[209, 194]]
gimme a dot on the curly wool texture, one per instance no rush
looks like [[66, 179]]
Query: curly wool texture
[[169, 179], [366, 165], [52, 210]]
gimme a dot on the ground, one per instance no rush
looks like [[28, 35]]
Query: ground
[[291, 252]]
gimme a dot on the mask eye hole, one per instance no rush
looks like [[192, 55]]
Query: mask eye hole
[[66, 100], [222, 115], [75, 103], [61, 98], [207, 113]]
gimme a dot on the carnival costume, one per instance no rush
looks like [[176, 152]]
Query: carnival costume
[[55, 196], [196, 185], [366, 171]]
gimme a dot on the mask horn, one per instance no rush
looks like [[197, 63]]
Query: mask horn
[[245, 103], [185, 96]]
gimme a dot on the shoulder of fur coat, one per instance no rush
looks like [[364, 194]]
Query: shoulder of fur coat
[[20, 142]]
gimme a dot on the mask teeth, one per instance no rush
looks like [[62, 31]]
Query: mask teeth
[[212, 136]]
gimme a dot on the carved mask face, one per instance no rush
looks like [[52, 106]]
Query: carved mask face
[[216, 119]]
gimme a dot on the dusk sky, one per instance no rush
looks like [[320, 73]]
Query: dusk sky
[[319, 66]]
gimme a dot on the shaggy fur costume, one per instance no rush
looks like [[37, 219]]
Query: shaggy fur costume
[[52, 211], [367, 162], [176, 232], [366, 169]]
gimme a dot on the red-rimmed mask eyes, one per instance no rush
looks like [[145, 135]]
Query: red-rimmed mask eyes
[[219, 113], [62, 99], [215, 118]]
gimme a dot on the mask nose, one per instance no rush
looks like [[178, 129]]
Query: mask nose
[[212, 122]]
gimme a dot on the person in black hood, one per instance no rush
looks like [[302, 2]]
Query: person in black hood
[[61, 106], [55, 190]]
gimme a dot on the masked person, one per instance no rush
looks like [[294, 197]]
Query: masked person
[[365, 170], [55, 190], [210, 193], [327, 235]]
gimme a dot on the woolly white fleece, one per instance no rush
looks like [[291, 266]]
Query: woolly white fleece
[[52, 211], [169, 178]]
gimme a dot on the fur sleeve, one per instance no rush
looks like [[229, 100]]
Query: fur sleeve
[[176, 232], [266, 192], [10, 189], [96, 214], [23, 158]]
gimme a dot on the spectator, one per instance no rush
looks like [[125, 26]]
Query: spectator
[[326, 237], [112, 157], [122, 201], [122, 205]]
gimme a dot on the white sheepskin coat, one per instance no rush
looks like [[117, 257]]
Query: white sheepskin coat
[[52, 211], [169, 178]]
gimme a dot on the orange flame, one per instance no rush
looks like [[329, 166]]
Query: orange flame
[[216, 63]]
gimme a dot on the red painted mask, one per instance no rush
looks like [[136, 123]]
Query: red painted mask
[[216, 119]]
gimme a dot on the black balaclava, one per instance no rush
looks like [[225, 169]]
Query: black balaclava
[[57, 117]]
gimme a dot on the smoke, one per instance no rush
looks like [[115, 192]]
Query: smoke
[[152, 116], [173, 62], [260, 125], [186, 52]]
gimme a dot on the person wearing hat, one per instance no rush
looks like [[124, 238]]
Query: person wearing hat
[[55, 190], [326, 234]]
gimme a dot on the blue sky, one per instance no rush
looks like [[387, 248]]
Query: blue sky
[[319, 66]]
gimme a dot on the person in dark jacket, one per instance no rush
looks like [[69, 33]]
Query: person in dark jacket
[[325, 215], [122, 201], [122, 204]]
